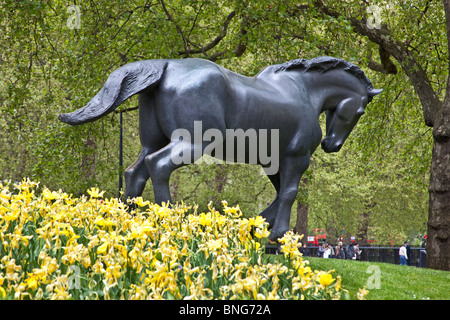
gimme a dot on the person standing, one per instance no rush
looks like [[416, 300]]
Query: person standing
[[340, 251], [333, 253], [349, 252], [321, 251], [327, 252], [357, 252], [304, 250], [408, 253], [403, 255]]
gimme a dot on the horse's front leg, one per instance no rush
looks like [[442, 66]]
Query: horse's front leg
[[291, 170]]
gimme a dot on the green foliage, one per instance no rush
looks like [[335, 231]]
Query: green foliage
[[210, 181]]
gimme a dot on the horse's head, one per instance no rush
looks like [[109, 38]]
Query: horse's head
[[342, 119]]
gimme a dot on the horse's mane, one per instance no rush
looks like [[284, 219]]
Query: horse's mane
[[325, 64]]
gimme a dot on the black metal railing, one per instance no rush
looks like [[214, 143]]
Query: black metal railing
[[417, 256]]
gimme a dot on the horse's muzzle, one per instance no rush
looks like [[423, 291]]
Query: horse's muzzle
[[328, 146]]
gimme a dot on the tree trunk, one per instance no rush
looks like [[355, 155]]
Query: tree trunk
[[218, 184], [363, 229], [438, 244], [301, 226], [438, 249]]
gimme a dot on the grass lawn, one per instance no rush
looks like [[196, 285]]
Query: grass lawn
[[395, 282]]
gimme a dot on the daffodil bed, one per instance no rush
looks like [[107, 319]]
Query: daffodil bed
[[55, 246]]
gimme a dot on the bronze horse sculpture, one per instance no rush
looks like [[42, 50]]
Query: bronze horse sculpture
[[286, 99]]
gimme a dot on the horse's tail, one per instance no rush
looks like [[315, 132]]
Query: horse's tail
[[121, 84]]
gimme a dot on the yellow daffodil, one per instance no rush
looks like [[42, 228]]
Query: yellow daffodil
[[262, 233], [140, 202], [32, 281], [108, 222], [205, 219], [2, 293], [50, 195], [233, 212], [326, 279], [258, 221], [152, 252], [102, 248], [11, 267], [5, 195], [362, 293], [95, 193]]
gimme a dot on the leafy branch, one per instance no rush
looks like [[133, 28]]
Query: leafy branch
[[399, 50]]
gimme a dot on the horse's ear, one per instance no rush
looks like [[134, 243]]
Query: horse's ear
[[372, 93]]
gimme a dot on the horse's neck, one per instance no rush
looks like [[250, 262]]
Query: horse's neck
[[324, 90], [314, 87]]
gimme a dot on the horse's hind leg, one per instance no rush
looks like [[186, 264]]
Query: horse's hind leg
[[152, 139], [162, 163], [270, 213], [136, 176]]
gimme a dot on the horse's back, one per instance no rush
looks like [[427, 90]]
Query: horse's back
[[203, 90], [200, 90], [192, 90]]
